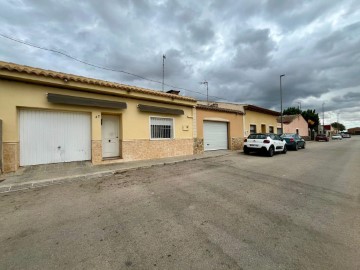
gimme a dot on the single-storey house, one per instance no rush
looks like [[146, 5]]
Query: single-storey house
[[218, 128], [258, 119], [328, 130], [255, 119], [354, 131], [294, 124], [53, 117]]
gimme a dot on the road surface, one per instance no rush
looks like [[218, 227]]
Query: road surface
[[300, 210]]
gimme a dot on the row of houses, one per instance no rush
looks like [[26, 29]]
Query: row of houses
[[52, 117]]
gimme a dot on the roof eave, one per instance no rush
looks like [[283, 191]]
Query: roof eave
[[56, 79]]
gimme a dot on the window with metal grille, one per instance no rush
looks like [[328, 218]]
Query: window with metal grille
[[271, 129], [252, 129], [161, 128]]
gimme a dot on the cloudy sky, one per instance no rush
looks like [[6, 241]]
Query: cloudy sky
[[239, 47]]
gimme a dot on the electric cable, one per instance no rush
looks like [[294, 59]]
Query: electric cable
[[101, 67]]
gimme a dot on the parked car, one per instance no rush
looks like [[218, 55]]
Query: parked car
[[321, 137], [267, 143], [345, 135], [293, 141], [336, 137]]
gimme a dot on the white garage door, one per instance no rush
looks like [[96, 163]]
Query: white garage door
[[52, 137], [215, 135]]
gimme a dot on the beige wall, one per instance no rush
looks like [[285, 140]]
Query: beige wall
[[258, 119], [134, 125], [235, 125]]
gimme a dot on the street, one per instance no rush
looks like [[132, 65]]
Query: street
[[300, 210]]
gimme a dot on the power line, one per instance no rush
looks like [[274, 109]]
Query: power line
[[100, 67]]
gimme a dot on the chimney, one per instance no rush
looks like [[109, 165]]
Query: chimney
[[174, 92]]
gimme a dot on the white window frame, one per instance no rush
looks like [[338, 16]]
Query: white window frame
[[172, 130]]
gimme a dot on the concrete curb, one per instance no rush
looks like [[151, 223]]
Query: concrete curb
[[87, 176]]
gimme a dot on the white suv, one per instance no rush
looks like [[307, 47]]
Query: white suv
[[268, 143]]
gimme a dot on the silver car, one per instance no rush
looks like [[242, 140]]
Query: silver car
[[336, 137]]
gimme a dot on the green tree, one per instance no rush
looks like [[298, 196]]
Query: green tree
[[338, 126], [312, 118], [292, 111]]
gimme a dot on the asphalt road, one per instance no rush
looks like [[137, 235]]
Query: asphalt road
[[295, 211]]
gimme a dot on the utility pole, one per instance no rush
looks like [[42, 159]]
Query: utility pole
[[323, 117], [164, 57], [337, 122], [281, 105], [207, 91], [299, 107]]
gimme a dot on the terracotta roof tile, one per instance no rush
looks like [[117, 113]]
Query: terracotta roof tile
[[287, 118], [260, 109], [213, 108], [70, 77]]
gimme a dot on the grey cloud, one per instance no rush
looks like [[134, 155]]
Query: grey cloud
[[240, 47], [290, 15], [230, 10], [201, 32], [340, 41], [352, 95], [351, 99], [253, 48]]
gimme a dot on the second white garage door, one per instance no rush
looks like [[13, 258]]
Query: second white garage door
[[52, 137], [215, 135]]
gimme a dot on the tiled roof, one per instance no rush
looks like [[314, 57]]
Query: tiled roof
[[287, 119], [70, 77], [214, 108], [261, 110]]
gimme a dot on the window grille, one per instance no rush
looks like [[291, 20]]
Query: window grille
[[161, 128]]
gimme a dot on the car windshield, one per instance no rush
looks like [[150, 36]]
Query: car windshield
[[257, 136], [287, 135]]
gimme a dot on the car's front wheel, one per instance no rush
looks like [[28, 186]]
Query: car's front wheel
[[284, 150]]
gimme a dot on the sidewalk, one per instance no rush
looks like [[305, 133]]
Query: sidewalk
[[49, 174]]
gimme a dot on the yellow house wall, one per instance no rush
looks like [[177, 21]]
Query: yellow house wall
[[235, 121], [257, 118], [134, 125], [15, 96], [235, 127]]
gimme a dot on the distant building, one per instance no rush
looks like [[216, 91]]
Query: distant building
[[354, 131]]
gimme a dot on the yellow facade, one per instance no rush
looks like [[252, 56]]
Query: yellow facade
[[260, 117], [21, 90], [261, 120], [235, 126]]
